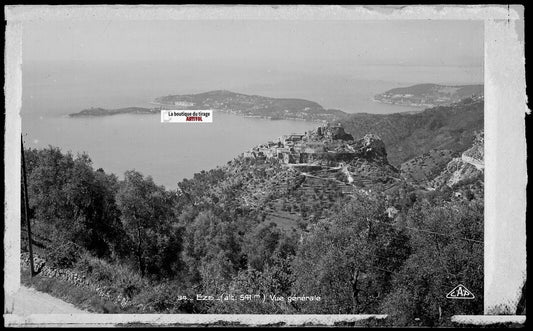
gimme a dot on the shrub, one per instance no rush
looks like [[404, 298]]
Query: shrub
[[120, 278], [169, 298], [64, 256]]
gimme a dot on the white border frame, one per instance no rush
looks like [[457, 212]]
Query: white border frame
[[505, 146]]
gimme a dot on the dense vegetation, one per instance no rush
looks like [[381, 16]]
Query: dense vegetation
[[155, 247]]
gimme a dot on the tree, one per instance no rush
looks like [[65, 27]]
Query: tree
[[146, 214], [71, 202], [449, 255], [348, 258], [212, 249], [266, 242]]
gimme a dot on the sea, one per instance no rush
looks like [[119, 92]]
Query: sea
[[170, 152]]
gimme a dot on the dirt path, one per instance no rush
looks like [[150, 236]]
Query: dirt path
[[29, 301]]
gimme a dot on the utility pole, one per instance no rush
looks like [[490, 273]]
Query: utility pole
[[26, 207]]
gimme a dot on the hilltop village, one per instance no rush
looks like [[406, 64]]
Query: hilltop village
[[325, 146], [329, 153]]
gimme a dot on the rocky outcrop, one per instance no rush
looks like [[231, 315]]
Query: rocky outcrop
[[371, 147], [469, 165], [326, 146], [474, 155], [423, 168], [460, 171], [331, 154], [336, 133]]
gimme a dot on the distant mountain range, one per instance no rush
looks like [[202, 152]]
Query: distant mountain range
[[429, 95]]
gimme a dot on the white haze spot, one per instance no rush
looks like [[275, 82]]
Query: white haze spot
[[35, 141]]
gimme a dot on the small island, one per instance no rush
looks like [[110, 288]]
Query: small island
[[429, 95]]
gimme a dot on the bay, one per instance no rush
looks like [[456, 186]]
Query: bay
[[171, 152]]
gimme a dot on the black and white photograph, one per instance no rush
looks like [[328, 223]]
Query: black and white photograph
[[239, 165]]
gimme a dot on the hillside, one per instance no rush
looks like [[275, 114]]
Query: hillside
[[297, 181], [441, 170], [251, 105], [468, 166], [429, 95], [449, 127], [423, 168]]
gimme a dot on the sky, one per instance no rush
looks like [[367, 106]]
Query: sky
[[384, 42]]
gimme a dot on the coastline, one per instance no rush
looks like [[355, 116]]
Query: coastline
[[250, 116], [412, 105]]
